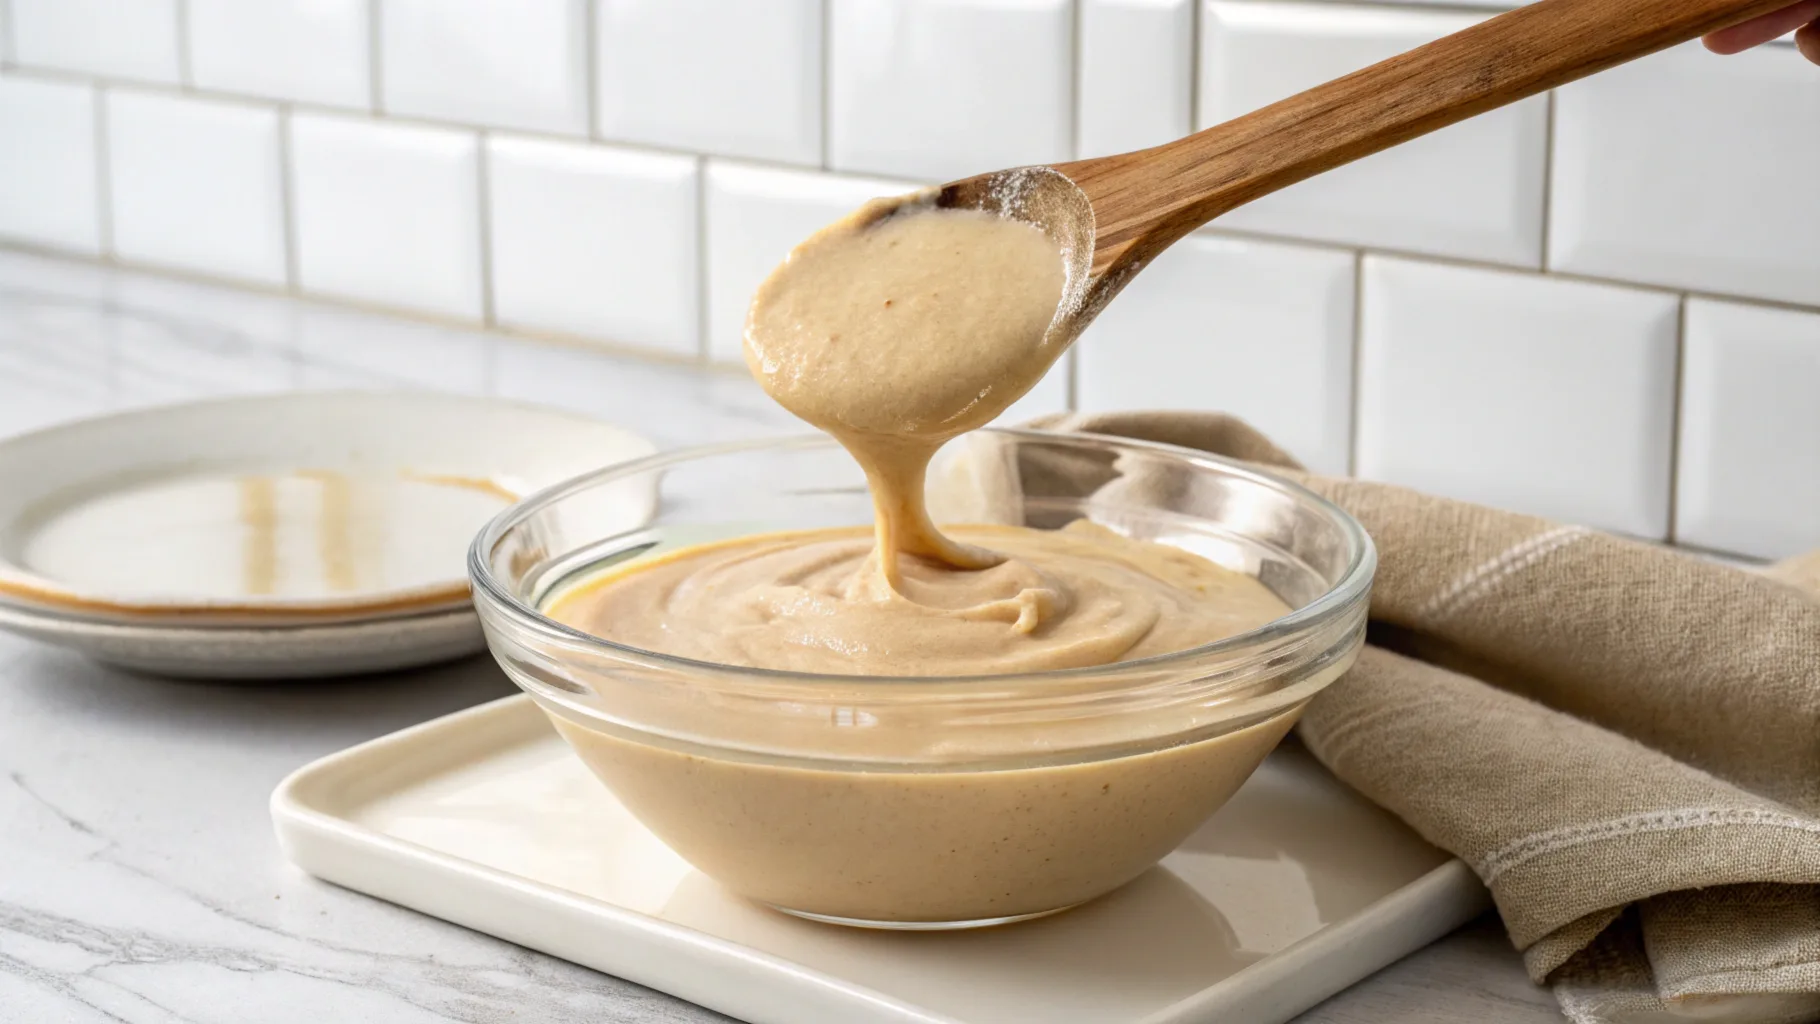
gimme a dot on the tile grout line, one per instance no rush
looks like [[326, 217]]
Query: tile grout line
[[104, 176], [375, 72], [185, 75], [483, 208], [1702, 549], [1758, 301], [1358, 362], [1071, 369], [1489, 266], [1077, 11], [358, 113], [1548, 181], [293, 277], [1195, 16], [590, 29], [704, 345], [826, 97], [1674, 422], [287, 191]]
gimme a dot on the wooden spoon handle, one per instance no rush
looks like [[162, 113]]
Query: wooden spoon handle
[[1143, 201]]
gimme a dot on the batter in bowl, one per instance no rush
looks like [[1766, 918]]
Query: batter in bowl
[[816, 601]]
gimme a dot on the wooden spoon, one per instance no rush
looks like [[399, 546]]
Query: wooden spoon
[[1113, 214]]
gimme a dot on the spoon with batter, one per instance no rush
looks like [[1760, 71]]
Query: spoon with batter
[[919, 318], [902, 326]]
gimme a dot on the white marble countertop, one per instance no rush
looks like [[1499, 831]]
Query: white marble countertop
[[139, 878]]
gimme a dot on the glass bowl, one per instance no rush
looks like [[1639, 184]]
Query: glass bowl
[[931, 802]]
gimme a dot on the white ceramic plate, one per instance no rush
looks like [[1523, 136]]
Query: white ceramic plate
[[306, 507], [1294, 890], [260, 652]]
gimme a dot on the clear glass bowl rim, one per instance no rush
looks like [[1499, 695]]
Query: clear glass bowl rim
[[1310, 617]]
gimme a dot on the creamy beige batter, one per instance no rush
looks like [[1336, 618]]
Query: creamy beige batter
[[895, 330], [815, 601]]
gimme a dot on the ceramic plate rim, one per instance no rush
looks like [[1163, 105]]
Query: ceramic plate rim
[[247, 653], [51, 617]]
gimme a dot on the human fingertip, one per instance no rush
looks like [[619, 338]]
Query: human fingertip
[[1763, 28], [1807, 40], [1720, 43]]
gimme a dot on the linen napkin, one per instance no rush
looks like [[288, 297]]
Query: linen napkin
[[1623, 741]]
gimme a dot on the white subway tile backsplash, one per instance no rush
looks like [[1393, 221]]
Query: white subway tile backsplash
[[941, 89], [1749, 478], [1540, 395], [47, 164], [387, 213], [1688, 170], [315, 51], [196, 184], [1137, 74], [595, 241], [1261, 330], [112, 38], [755, 216], [724, 76], [507, 63], [1473, 190]]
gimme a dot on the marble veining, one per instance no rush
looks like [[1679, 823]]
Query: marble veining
[[142, 883], [139, 878]]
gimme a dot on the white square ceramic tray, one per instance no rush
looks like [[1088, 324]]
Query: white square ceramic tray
[[1296, 889]]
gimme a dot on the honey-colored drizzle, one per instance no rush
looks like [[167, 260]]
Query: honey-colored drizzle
[[259, 519]]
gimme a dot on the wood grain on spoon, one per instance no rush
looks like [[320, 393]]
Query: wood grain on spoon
[[1145, 200]]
